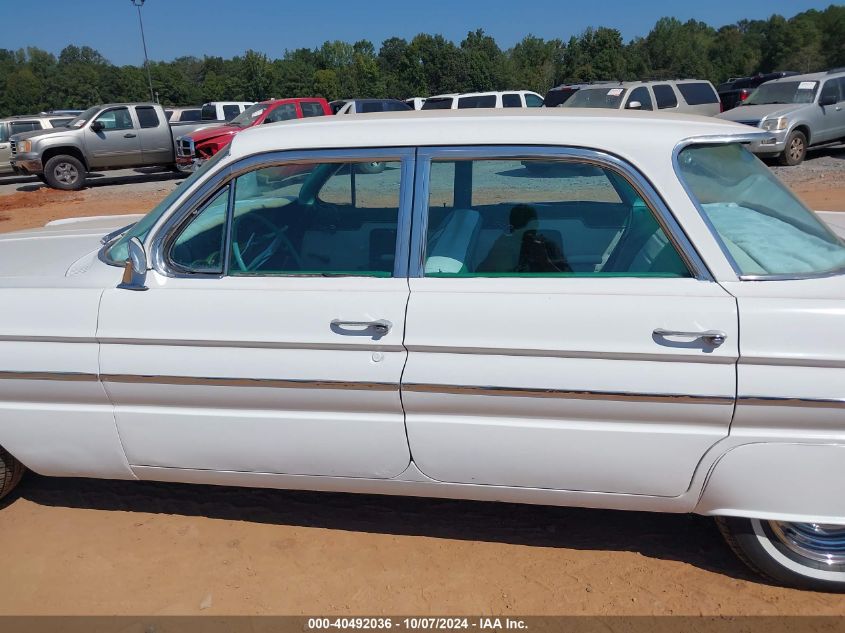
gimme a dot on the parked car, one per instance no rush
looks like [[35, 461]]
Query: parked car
[[693, 96], [507, 99], [224, 110], [193, 149], [175, 115], [799, 111], [111, 136], [738, 89], [360, 106], [416, 103], [656, 326], [25, 123], [559, 94]]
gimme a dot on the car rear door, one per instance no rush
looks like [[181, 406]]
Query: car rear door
[[271, 339], [155, 137], [561, 331]]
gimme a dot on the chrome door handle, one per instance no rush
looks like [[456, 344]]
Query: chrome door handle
[[381, 325], [712, 337], [129, 135]]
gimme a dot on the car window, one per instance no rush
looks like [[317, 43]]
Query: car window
[[325, 218], [831, 89], [4, 133], [230, 112], [191, 115], [842, 88], [437, 103], [698, 93], [16, 127], [512, 218], [209, 112], [607, 97], [284, 112], [147, 116], [60, 122], [640, 94], [665, 96], [480, 101], [198, 248], [511, 100], [116, 119], [533, 101], [760, 223], [168, 114], [311, 108]]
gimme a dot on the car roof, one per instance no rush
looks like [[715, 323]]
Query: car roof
[[819, 76], [621, 132], [480, 94]]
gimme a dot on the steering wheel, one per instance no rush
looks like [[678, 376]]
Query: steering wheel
[[260, 246]]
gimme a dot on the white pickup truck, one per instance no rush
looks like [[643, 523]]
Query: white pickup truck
[[111, 136]]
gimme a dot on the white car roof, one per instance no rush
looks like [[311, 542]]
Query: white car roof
[[625, 133]]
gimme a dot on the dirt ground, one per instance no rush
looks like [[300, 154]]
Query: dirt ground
[[98, 547]]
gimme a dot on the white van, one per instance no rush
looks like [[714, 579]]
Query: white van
[[223, 110], [506, 99]]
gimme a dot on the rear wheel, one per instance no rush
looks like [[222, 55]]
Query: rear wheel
[[803, 555], [796, 149], [65, 172], [11, 471]]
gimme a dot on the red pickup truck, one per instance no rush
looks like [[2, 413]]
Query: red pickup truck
[[192, 149]]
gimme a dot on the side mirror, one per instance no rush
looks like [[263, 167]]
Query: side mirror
[[633, 105], [135, 270], [827, 100], [97, 126]]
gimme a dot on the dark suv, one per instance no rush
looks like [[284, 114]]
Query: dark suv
[[738, 89]]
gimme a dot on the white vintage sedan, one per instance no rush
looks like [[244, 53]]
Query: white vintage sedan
[[600, 309]]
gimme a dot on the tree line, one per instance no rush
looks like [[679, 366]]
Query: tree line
[[34, 80]]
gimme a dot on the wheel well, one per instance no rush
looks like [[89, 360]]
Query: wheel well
[[804, 130], [67, 151]]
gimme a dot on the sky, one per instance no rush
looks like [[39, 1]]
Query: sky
[[226, 28]]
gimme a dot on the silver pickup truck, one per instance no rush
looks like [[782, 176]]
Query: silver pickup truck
[[111, 136]]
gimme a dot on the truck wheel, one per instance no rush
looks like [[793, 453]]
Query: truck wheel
[[11, 471], [796, 149], [803, 555], [65, 172]]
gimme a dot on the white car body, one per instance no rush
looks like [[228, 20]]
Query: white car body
[[546, 391], [468, 100]]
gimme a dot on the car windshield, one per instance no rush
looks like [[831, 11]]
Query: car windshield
[[83, 118], [783, 92], [764, 228], [595, 98], [116, 251], [248, 116]]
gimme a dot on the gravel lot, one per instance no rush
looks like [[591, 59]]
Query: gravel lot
[[99, 547]]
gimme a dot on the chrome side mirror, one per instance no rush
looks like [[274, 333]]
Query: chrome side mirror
[[634, 105], [135, 271]]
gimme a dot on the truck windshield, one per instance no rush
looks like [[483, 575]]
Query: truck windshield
[[764, 228], [783, 92], [83, 118], [248, 116], [595, 98], [116, 251]]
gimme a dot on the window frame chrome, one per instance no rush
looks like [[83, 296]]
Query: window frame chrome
[[165, 231], [743, 139], [642, 185]]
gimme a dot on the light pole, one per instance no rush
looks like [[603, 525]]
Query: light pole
[[138, 4]]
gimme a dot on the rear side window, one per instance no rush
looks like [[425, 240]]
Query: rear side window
[[533, 101], [511, 101], [209, 112], [284, 112], [230, 112], [481, 101], [311, 108], [16, 127], [437, 104], [698, 93], [147, 116], [665, 96]]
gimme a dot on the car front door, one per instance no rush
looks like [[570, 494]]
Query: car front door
[[561, 331], [831, 117], [270, 339], [116, 143]]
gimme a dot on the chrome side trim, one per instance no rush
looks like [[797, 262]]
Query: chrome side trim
[[70, 376], [251, 382], [780, 401], [629, 173], [567, 394]]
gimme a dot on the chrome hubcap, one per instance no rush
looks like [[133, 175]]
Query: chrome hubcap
[[820, 542], [796, 148], [66, 173]]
